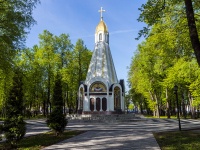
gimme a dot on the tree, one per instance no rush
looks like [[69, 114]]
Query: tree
[[14, 125], [32, 79], [63, 49], [15, 21], [45, 54], [56, 120], [16, 18], [76, 70], [155, 56], [156, 11], [163, 60]]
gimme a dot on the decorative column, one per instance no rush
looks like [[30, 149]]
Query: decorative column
[[101, 104], [108, 103], [95, 104]]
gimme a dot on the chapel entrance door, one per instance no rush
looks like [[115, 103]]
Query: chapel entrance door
[[92, 104], [104, 104], [98, 104]]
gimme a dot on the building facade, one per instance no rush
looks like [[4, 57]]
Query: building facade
[[101, 92]]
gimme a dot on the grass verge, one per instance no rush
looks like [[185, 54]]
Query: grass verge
[[40, 141], [184, 140], [161, 117]]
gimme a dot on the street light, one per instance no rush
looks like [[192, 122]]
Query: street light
[[178, 117]]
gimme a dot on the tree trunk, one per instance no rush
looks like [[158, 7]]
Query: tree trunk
[[192, 29], [141, 109], [183, 106], [192, 111], [44, 108], [48, 91], [157, 107], [168, 105]]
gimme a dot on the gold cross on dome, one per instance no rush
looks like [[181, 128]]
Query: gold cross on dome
[[101, 12]]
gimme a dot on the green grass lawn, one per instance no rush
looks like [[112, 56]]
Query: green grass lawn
[[161, 117], [165, 117], [184, 140], [40, 141]]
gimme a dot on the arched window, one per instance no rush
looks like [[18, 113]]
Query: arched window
[[98, 104], [92, 104], [104, 104], [117, 98], [100, 37]]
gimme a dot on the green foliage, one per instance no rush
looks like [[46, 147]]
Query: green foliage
[[1, 131], [40, 71], [15, 21], [14, 103], [57, 121], [178, 140], [184, 13], [76, 70], [40, 141], [14, 129], [14, 126], [130, 106], [39, 64], [16, 18], [165, 58]]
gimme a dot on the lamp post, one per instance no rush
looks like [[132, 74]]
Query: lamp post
[[178, 117]]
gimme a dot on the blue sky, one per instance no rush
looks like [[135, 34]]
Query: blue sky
[[79, 19]]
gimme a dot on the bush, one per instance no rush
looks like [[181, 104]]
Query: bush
[[1, 131], [14, 126], [14, 129], [57, 121]]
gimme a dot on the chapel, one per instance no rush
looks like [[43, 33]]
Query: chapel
[[101, 92]]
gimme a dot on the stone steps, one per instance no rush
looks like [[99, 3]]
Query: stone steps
[[103, 118]]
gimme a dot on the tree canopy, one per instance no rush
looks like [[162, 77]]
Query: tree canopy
[[156, 11], [166, 58]]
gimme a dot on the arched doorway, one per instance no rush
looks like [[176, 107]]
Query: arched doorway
[[98, 104], [117, 98], [92, 104], [104, 104]]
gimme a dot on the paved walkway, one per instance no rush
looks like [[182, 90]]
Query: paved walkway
[[133, 135], [136, 134], [109, 140]]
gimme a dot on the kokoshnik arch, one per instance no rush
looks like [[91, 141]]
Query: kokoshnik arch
[[101, 92]]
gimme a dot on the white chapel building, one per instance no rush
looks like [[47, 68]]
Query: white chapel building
[[101, 92]]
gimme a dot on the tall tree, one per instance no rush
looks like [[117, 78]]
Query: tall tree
[[154, 11], [14, 126], [56, 120], [16, 18], [49, 60], [76, 70], [32, 78], [63, 49], [166, 44]]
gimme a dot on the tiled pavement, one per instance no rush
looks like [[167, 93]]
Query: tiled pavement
[[109, 140], [134, 135]]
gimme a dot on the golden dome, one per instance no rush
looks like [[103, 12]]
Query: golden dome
[[101, 27]]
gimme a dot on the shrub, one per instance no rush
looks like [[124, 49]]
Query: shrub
[[1, 131], [57, 121], [15, 129], [14, 126]]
